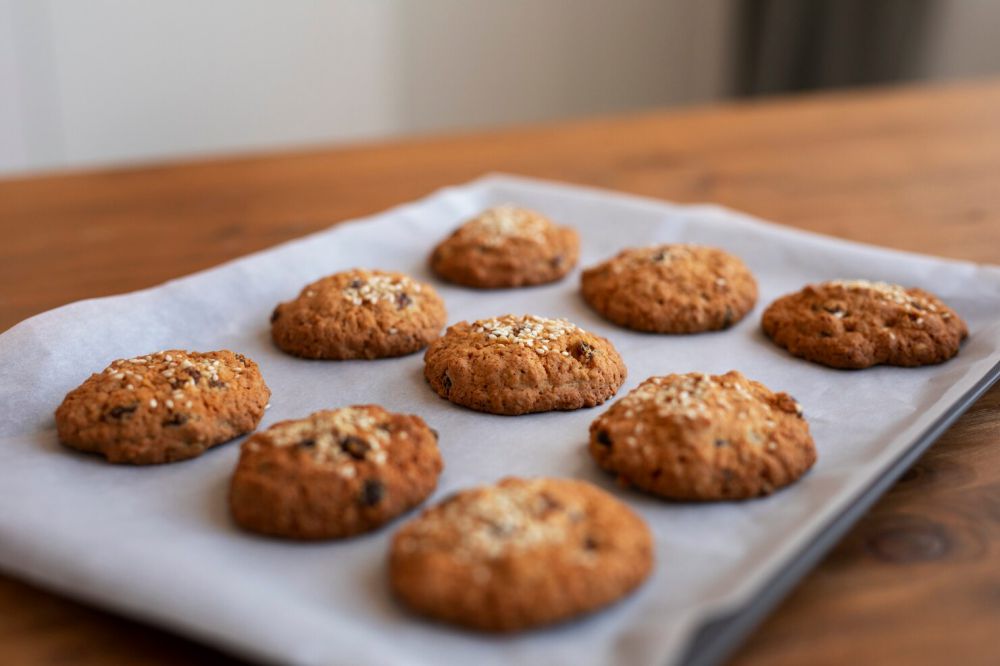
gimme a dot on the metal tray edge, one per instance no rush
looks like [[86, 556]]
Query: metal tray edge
[[718, 638]]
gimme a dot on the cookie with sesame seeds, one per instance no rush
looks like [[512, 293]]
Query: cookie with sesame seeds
[[359, 314], [859, 323], [520, 554], [163, 407], [334, 474], [520, 364], [674, 288], [704, 437], [506, 246]]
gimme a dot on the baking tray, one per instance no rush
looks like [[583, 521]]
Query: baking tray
[[157, 544]]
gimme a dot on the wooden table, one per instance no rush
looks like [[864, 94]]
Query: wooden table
[[918, 579]]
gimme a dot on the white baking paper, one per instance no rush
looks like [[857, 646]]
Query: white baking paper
[[156, 543]]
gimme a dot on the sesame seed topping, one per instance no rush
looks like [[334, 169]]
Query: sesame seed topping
[[496, 224], [702, 270], [706, 399], [339, 437], [372, 289], [527, 331], [886, 292], [172, 376], [490, 522]]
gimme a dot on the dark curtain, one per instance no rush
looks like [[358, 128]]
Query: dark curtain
[[789, 45]]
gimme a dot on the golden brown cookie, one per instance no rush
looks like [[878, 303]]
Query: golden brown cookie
[[671, 289], [704, 437], [163, 407], [506, 246], [520, 364], [520, 554], [359, 314], [858, 324], [335, 473]]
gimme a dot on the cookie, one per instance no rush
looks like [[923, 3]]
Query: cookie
[[334, 474], [671, 289], [520, 554], [506, 246], [359, 314], [516, 365], [704, 437], [163, 407], [858, 324]]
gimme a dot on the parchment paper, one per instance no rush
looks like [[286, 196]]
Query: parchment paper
[[156, 543]]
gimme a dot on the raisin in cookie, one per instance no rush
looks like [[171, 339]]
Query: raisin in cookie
[[163, 407], [334, 474], [506, 246], [704, 437], [671, 289], [516, 365], [359, 314], [520, 554], [858, 324]]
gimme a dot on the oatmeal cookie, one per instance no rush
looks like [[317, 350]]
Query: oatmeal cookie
[[163, 407], [359, 314], [335, 473], [506, 246], [704, 437], [520, 364], [520, 554], [858, 324], [671, 289]]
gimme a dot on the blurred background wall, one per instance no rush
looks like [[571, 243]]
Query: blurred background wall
[[95, 82]]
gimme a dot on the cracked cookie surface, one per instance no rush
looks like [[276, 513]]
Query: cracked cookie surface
[[506, 246], [334, 474], [520, 554], [521, 364], [673, 288], [704, 437], [856, 324], [359, 314], [163, 407]]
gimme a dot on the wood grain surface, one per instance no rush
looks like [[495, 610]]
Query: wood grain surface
[[917, 581]]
